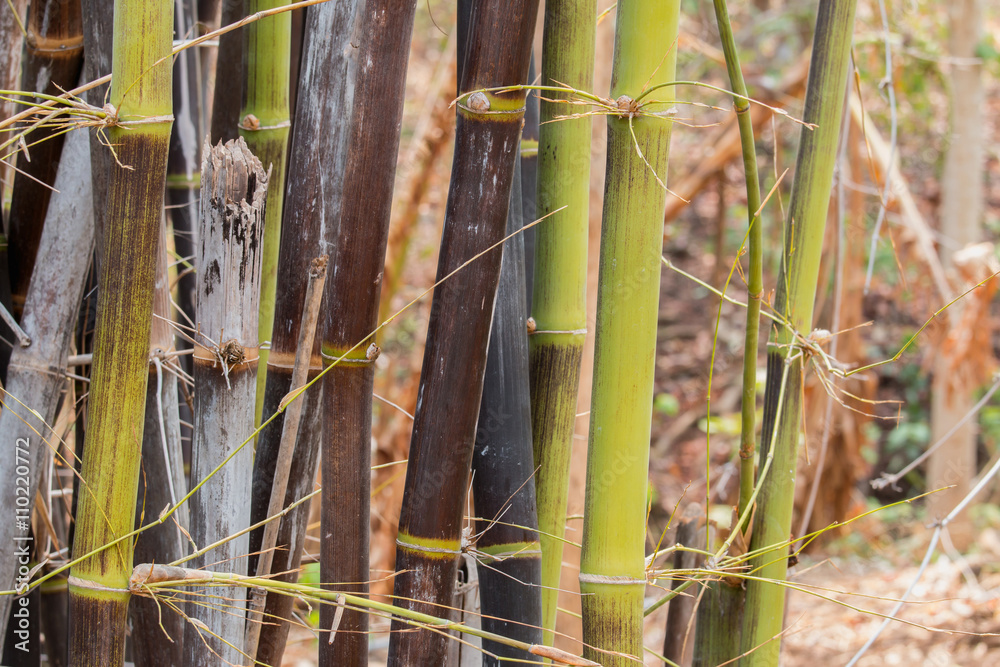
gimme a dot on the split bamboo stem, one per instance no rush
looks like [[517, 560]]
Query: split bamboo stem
[[106, 504], [311, 213], [264, 125], [351, 314], [803, 244], [559, 301], [451, 381], [612, 565], [509, 557], [34, 383], [234, 187]]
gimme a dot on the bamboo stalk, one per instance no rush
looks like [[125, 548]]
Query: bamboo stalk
[[234, 187], [227, 91], [529, 180], [53, 57], [106, 507], [807, 214], [264, 125], [33, 383], [755, 281], [11, 19], [311, 211], [184, 159], [98, 31], [352, 298], [162, 482], [559, 303], [451, 381], [503, 482], [612, 565], [289, 433]]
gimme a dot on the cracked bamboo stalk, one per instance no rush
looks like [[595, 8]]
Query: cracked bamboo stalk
[[234, 188]]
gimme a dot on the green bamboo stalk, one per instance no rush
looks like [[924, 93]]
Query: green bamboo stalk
[[139, 91], [721, 611], [451, 380], [559, 294], [803, 244], [612, 566], [264, 125], [755, 280]]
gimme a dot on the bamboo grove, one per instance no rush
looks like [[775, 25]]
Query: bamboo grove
[[222, 210]]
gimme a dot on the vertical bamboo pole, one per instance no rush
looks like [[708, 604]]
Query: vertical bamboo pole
[[503, 483], [106, 507], [559, 303], [162, 482], [612, 568], [49, 317], [804, 228], [311, 213], [264, 125], [451, 381], [234, 187], [352, 296]]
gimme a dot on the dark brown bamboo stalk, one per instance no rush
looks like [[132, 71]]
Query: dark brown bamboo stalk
[[161, 484], [509, 556], [352, 298], [52, 61], [227, 93], [234, 187], [451, 382], [98, 22], [311, 212], [185, 156]]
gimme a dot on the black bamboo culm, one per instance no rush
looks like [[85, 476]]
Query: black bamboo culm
[[161, 482], [313, 190], [184, 160], [351, 313], [507, 551], [227, 96], [486, 146], [529, 180], [53, 59], [98, 31], [234, 188]]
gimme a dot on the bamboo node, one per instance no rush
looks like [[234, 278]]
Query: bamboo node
[[627, 107], [532, 325], [479, 102], [250, 122]]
